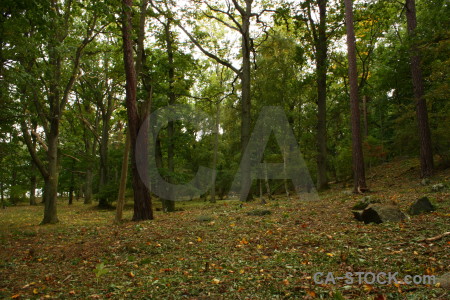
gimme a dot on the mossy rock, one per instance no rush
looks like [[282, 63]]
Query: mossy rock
[[203, 218], [364, 203]]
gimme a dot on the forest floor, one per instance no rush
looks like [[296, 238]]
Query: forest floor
[[217, 251]]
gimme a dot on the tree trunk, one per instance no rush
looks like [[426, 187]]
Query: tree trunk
[[33, 184], [216, 145], [72, 182], [359, 179], [246, 193], [88, 186], [103, 201], [142, 199], [321, 73], [364, 109], [426, 153], [123, 180], [51, 181], [266, 179], [2, 195], [169, 204]]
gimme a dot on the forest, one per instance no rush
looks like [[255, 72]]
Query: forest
[[208, 149]]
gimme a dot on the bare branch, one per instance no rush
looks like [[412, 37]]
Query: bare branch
[[207, 53]]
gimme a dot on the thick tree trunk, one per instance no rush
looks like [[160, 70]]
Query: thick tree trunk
[[123, 180], [321, 73], [142, 199], [359, 179], [426, 153]]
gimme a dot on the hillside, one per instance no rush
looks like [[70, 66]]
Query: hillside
[[215, 251]]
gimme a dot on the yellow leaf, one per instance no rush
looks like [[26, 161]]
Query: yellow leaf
[[215, 281], [241, 271], [259, 247], [368, 287], [330, 254], [131, 274], [35, 291], [199, 239]]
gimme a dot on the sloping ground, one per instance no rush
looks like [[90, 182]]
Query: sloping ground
[[231, 255]]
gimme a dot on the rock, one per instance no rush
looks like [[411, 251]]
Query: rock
[[425, 181], [444, 281], [204, 218], [377, 213], [358, 214], [422, 205], [259, 212], [437, 187], [364, 202]]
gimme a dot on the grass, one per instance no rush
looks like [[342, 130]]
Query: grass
[[228, 254]]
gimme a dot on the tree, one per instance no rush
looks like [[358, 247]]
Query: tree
[[232, 12], [359, 179], [57, 78], [426, 153], [142, 199]]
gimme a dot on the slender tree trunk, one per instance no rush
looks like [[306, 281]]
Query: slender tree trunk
[[426, 153], [246, 193], [321, 73], [51, 181], [123, 180], [266, 179], [364, 109], [33, 184], [216, 145], [142, 199], [88, 186], [103, 200], [169, 204], [359, 179], [2, 195], [72, 182]]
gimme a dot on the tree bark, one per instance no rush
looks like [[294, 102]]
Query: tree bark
[[51, 180], [142, 199], [216, 145], [426, 152], [359, 179], [169, 204], [123, 180], [72, 182], [245, 99], [321, 74]]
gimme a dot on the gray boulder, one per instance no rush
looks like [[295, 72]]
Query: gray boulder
[[423, 205], [444, 281], [378, 213]]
